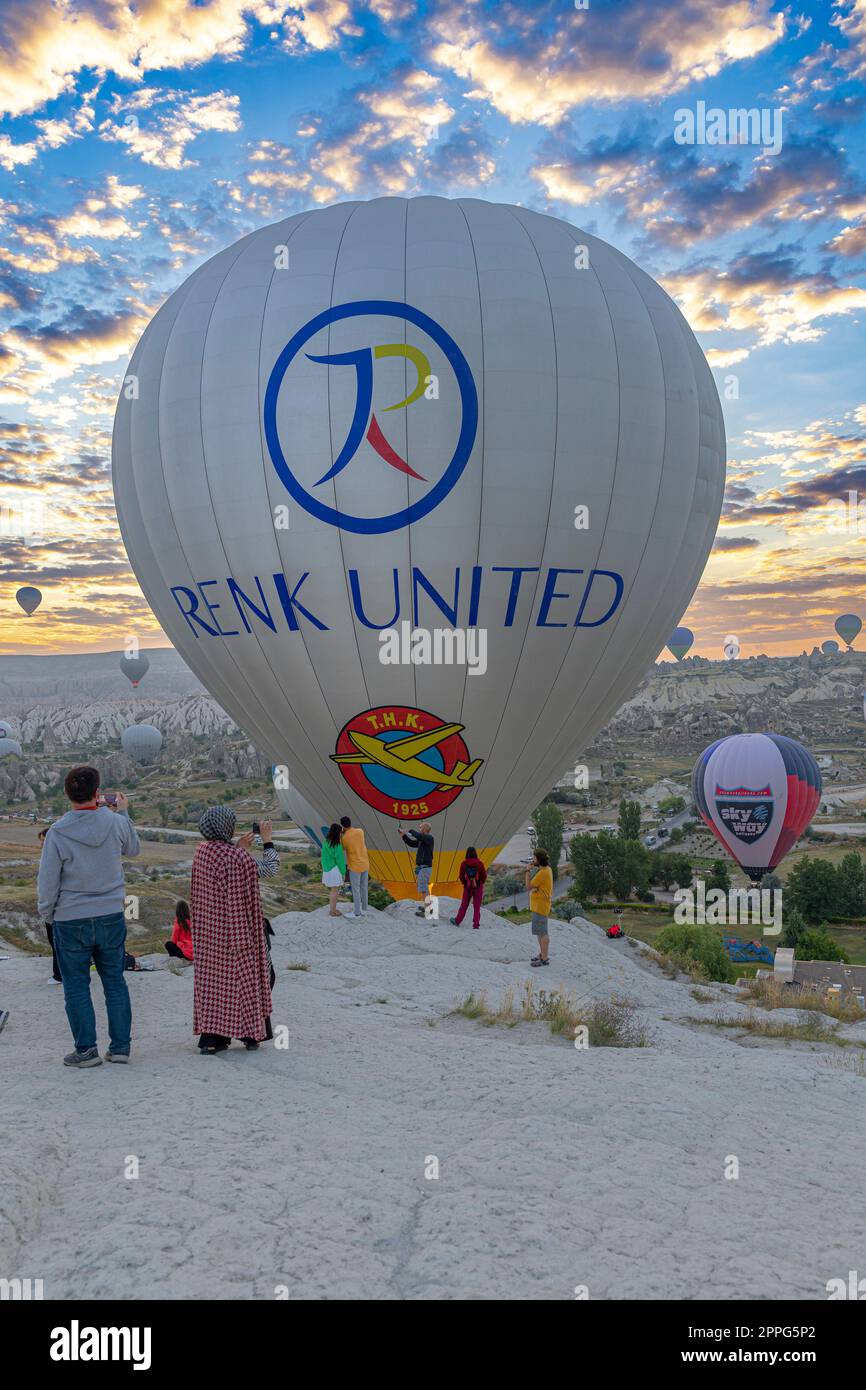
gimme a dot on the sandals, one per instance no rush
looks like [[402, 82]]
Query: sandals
[[539, 961]]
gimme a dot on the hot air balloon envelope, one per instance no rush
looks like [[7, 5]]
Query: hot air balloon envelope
[[134, 667], [5, 729], [848, 626], [9, 747], [314, 825], [680, 641], [757, 793], [829, 648], [29, 598], [353, 510], [141, 741]]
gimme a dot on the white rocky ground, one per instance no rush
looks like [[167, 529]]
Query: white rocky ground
[[305, 1167]]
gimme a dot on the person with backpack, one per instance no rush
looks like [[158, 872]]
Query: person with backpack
[[473, 876]]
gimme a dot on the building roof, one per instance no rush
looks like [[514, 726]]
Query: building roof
[[820, 974]]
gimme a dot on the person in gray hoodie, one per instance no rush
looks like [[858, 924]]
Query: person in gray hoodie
[[81, 890]]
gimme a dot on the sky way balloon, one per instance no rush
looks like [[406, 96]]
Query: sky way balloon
[[757, 793], [430, 412]]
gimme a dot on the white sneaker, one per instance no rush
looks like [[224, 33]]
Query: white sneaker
[[355, 915], [52, 981]]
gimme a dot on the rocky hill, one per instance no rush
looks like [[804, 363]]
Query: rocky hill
[[812, 697]]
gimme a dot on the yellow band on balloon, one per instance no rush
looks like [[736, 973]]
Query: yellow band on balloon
[[395, 870]]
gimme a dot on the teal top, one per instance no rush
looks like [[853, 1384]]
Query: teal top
[[331, 855]]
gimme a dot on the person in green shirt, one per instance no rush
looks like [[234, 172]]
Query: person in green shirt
[[333, 866]]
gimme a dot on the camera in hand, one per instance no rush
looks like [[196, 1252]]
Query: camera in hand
[[110, 798], [257, 829]]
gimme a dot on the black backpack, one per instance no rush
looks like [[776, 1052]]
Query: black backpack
[[471, 872]]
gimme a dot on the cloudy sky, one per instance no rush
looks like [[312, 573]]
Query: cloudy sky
[[137, 140]]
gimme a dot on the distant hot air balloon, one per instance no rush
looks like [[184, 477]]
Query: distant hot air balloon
[[314, 825], [731, 647], [680, 641], [757, 793], [134, 667], [142, 742], [848, 626], [829, 648], [386, 395], [5, 729], [29, 598], [9, 747]]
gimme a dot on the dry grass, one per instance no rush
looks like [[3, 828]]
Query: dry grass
[[768, 994], [808, 1028], [846, 1061], [608, 1023]]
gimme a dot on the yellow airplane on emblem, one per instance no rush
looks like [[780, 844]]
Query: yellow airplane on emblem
[[401, 756]]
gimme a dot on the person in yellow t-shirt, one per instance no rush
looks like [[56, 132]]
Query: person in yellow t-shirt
[[539, 881], [358, 865]]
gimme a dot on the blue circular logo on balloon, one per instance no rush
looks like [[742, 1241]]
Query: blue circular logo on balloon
[[364, 422]]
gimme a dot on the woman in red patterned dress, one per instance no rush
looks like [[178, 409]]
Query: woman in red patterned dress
[[232, 995]]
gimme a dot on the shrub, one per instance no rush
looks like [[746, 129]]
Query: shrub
[[695, 949], [817, 944], [378, 896]]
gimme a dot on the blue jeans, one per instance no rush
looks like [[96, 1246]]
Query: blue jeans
[[103, 941]]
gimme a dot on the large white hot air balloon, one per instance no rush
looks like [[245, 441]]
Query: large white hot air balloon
[[432, 421], [141, 741]]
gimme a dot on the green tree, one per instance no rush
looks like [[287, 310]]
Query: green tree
[[591, 864], [629, 820], [629, 867], [794, 928], [661, 869], [813, 889], [680, 868], [672, 805], [850, 885], [548, 825], [164, 810], [818, 944], [720, 875]]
